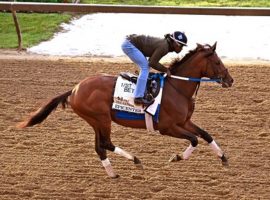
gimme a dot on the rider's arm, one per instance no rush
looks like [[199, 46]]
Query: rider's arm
[[159, 67], [154, 60]]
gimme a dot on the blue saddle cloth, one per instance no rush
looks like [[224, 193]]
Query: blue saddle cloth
[[135, 116]]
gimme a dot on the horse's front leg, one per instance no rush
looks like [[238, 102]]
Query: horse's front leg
[[179, 132], [190, 126]]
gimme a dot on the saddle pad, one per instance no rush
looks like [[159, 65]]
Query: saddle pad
[[123, 98]]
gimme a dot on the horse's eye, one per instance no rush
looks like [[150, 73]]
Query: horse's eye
[[218, 62]]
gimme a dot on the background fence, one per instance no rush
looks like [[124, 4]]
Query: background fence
[[94, 8]]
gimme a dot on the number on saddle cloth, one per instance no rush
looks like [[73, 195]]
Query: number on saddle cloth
[[153, 82]]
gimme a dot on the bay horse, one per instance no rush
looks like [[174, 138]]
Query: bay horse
[[92, 100]]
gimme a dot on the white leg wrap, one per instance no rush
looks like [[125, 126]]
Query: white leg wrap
[[188, 152], [216, 148], [108, 167], [121, 152]]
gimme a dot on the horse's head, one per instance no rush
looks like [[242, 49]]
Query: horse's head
[[203, 62], [213, 66]]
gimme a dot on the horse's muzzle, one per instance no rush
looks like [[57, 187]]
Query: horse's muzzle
[[227, 82]]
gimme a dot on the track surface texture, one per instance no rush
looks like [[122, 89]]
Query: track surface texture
[[57, 160]]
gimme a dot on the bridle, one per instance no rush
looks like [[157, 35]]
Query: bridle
[[217, 77]]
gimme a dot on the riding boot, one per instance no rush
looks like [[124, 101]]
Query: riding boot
[[139, 93]]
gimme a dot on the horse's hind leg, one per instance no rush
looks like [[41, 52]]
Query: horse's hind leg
[[101, 151], [208, 138], [107, 144], [103, 143], [127, 155]]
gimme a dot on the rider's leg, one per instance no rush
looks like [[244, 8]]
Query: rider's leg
[[137, 57]]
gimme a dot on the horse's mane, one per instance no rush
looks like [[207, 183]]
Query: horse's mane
[[178, 61]]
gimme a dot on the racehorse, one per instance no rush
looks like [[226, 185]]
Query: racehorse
[[92, 100]]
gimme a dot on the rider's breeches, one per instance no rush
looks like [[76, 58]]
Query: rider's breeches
[[138, 58]]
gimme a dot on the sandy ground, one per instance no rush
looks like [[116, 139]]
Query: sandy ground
[[57, 160]]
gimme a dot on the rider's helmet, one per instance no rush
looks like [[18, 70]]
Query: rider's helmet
[[179, 37]]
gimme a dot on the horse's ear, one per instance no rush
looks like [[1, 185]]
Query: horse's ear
[[214, 46]]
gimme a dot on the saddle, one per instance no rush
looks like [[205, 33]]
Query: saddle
[[152, 85]]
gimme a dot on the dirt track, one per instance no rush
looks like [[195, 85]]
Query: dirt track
[[57, 160]]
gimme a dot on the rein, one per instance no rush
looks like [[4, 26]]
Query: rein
[[196, 79], [197, 86]]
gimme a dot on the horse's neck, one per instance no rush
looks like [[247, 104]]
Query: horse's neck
[[190, 69]]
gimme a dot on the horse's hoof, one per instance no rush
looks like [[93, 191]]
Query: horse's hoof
[[225, 161], [136, 160], [175, 158], [115, 176], [138, 163]]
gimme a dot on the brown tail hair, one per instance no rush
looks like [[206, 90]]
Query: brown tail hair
[[44, 111]]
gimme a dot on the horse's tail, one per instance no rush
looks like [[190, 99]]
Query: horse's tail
[[44, 111]]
